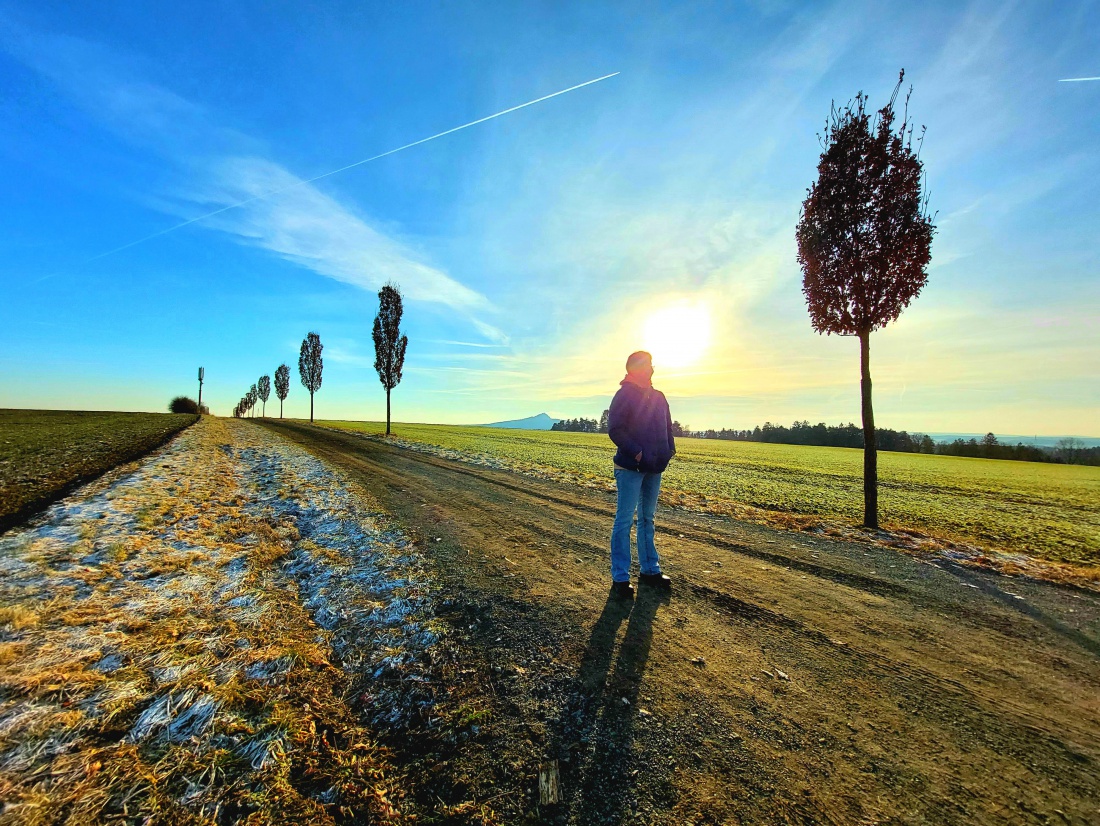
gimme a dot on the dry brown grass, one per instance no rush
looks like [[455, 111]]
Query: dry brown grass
[[18, 617], [152, 621], [9, 651]]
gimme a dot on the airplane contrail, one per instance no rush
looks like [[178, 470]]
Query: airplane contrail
[[337, 171], [1077, 79]]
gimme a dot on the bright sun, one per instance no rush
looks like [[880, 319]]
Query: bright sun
[[677, 335]]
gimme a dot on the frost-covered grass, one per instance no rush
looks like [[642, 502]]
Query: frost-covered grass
[[1046, 511], [191, 642], [43, 452]]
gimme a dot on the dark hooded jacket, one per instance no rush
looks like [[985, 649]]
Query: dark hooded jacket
[[639, 421]]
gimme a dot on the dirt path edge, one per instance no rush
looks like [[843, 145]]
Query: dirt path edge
[[37, 506]]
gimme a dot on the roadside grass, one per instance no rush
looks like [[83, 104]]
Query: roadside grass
[[173, 674], [1045, 511], [44, 453]]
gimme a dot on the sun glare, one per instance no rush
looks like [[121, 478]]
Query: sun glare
[[677, 336]]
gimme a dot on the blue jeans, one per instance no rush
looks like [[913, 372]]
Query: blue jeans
[[637, 492]]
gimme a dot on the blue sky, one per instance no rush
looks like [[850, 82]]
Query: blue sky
[[535, 249]]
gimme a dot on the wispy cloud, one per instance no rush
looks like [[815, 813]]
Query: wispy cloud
[[337, 353], [462, 343], [314, 230], [223, 167]]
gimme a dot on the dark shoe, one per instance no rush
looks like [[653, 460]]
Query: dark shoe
[[656, 581], [622, 590]]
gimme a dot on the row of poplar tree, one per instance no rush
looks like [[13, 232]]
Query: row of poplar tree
[[389, 359]]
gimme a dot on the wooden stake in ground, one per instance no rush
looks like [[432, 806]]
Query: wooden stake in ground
[[549, 791]]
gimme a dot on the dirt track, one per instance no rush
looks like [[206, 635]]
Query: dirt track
[[788, 678]]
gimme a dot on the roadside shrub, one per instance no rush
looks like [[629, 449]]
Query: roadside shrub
[[183, 404]]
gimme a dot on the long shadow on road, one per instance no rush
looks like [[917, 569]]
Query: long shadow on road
[[597, 726]]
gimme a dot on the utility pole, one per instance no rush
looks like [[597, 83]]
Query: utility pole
[[202, 373]]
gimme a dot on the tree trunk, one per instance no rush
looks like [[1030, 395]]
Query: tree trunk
[[387, 412], [870, 448], [263, 415], [311, 407], [280, 408]]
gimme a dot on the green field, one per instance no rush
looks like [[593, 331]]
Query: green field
[[1043, 510], [45, 452]]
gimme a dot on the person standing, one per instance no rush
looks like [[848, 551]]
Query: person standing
[[640, 425]]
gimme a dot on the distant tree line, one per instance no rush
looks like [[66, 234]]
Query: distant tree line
[[821, 434], [1067, 451], [592, 426], [1073, 451], [578, 426]]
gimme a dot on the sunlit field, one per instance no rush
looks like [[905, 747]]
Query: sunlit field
[[1044, 510]]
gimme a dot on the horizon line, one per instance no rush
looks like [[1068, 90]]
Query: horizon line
[[467, 424]]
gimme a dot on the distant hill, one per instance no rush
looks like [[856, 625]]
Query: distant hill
[[540, 422]]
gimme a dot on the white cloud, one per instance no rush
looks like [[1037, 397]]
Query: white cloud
[[223, 167], [313, 230]]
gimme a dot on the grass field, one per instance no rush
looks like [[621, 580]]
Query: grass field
[[1042, 510], [45, 452]]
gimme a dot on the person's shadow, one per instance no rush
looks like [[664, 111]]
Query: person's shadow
[[596, 729]]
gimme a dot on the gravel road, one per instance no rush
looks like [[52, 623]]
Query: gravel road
[[276, 623], [789, 678]]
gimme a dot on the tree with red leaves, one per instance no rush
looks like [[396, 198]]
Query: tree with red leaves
[[865, 240]]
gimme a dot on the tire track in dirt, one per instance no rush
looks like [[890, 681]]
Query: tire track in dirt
[[682, 528], [597, 506], [908, 679], [916, 717]]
